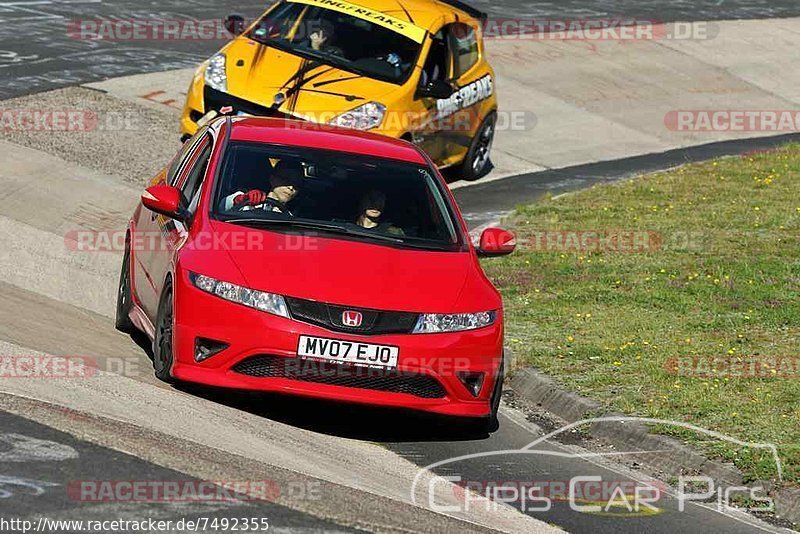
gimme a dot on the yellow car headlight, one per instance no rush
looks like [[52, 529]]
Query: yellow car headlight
[[216, 75], [365, 117]]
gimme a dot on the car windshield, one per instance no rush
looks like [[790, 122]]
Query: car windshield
[[361, 197], [338, 39]]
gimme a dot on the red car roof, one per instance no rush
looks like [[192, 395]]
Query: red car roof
[[312, 135]]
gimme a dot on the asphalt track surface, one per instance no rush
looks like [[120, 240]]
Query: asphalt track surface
[[38, 52], [42, 470]]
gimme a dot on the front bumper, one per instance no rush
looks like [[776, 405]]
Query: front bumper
[[202, 99], [257, 338]]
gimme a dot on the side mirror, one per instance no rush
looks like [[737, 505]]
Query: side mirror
[[438, 89], [496, 242], [165, 200], [234, 23]]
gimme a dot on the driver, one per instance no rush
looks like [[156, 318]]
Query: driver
[[286, 181], [322, 38]]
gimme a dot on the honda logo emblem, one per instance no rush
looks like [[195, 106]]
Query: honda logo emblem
[[352, 319]]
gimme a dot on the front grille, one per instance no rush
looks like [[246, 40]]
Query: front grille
[[217, 100], [329, 316], [350, 376]]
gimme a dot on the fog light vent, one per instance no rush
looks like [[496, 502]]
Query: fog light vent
[[206, 348], [472, 381]]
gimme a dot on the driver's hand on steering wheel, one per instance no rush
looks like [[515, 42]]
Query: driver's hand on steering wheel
[[254, 197]]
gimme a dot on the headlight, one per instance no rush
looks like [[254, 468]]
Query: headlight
[[453, 322], [365, 117], [216, 78], [266, 302]]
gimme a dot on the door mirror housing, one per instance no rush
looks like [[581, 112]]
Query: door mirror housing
[[234, 24], [165, 200], [438, 89], [496, 242]]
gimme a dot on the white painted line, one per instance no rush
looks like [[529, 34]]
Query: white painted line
[[21, 449]]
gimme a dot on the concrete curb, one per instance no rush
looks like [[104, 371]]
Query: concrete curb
[[668, 456]]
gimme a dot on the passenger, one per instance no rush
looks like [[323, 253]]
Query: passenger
[[371, 211]]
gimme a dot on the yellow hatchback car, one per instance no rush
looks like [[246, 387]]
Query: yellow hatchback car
[[409, 69]]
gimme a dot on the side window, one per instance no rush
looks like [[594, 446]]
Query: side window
[[437, 66], [177, 165], [465, 48], [194, 180]]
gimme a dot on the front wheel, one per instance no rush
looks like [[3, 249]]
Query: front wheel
[[478, 160], [122, 321], [493, 422], [163, 348]]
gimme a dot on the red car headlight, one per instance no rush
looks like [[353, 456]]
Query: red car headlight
[[432, 323], [259, 300]]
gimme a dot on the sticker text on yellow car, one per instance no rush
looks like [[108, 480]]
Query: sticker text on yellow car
[[467, 96]]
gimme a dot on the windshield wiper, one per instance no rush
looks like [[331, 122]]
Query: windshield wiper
[[311, 225], [332, 60], [440, 247]]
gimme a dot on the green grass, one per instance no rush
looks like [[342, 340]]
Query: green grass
[[725, 283]]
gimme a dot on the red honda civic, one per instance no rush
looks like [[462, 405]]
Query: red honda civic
[[281, 256]]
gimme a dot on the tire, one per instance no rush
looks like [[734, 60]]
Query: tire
[[163, 348], [493, 423], [477, 162], [122, 321]]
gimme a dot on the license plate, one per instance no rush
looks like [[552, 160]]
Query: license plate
[[335, 350]]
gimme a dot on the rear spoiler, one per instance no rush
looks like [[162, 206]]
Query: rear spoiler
[[466, 8]]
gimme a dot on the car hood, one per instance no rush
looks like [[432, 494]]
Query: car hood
[[258, 73], [347, 272]]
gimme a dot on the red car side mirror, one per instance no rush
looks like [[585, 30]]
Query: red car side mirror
[[165, 200], [496, 242]]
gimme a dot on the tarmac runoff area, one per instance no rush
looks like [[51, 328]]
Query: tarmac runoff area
[[593, 101]]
